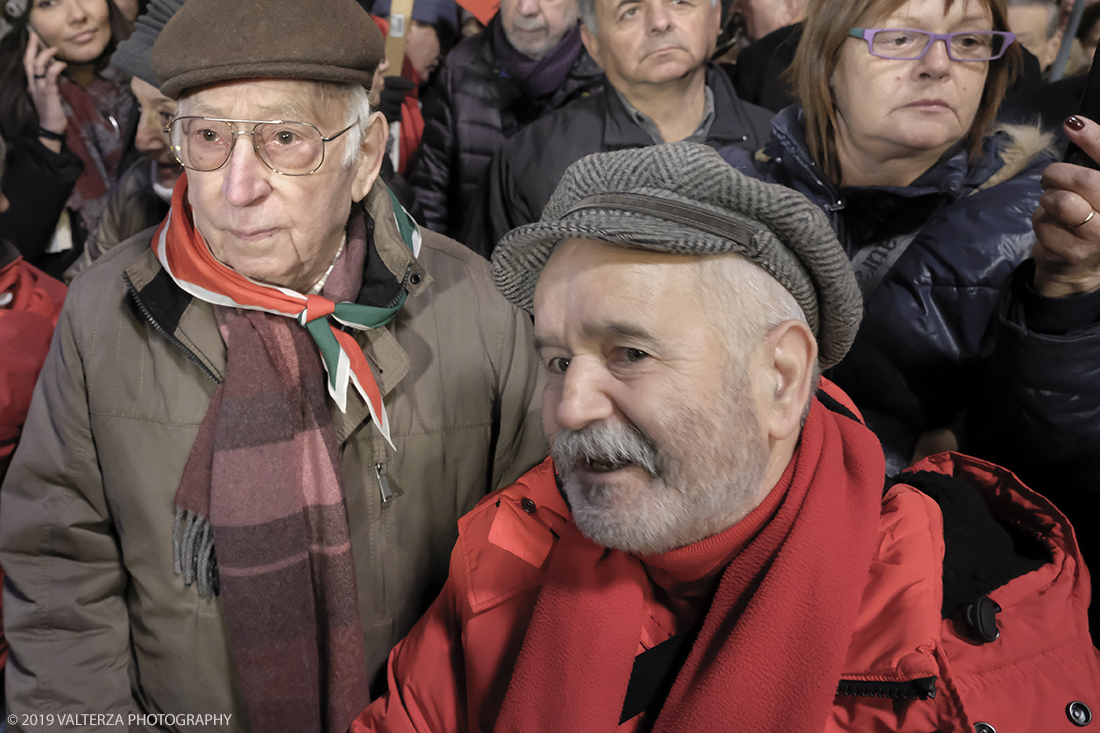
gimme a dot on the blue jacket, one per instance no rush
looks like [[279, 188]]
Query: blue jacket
[[946, 338], [930, 326]]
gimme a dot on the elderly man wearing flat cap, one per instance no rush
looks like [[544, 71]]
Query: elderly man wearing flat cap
[[709, 547], [259, 421]]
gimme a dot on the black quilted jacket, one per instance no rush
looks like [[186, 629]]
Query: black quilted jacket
[[945, 338], [524, 174], [468, 113]]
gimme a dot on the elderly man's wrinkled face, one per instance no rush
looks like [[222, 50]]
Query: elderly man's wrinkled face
[[652, 42], [652, 421], [534, 27], [282, 230], [1031, 23]]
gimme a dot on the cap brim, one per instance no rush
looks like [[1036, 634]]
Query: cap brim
[[522, 253]]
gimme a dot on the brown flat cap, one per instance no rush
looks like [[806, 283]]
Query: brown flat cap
[[210, 41]]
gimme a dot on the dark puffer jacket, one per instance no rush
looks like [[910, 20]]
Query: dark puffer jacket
[[930, 325], [470, 110], [525, 172], [954, 334]]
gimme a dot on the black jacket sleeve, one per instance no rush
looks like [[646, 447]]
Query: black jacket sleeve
[[1038, 409], [430, 179], [38, 183], [498, 208], [758, 74]]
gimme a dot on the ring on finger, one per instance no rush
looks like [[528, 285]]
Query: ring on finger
[[1085, 221], [39, 76]]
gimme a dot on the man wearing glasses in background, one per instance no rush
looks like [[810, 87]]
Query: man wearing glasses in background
[[259, 422]]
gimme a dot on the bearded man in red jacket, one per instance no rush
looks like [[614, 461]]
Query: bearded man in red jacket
[[709, 547]]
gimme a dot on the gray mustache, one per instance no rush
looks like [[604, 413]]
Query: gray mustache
[[529, 26], [606, 443]]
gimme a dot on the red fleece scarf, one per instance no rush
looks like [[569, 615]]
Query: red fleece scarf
[[768, 656]]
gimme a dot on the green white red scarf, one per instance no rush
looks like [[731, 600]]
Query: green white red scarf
[[186, 258]]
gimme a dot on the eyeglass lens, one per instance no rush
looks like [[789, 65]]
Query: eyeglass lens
[[285, 147], [909, 44]]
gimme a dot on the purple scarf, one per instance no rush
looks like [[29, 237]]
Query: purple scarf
[[541, 77]]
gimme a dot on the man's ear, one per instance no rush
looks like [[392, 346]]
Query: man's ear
[[790, 355], [591, 44], [716, 13], [372, 147]]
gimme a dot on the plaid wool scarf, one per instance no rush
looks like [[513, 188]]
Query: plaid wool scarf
[[263, 481]]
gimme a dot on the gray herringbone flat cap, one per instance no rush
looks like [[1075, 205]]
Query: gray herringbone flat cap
[[684, 198]]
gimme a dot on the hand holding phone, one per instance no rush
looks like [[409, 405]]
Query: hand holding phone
[[43, 69], [1090, 109], [1067, 222]]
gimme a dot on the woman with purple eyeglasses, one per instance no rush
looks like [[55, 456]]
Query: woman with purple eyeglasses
[[969, 340]]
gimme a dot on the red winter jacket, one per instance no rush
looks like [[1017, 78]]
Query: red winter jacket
[[452, 671], [26, 326], [27, 322]]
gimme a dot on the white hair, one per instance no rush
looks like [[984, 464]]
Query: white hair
[[587, 10], [750, 303], [359, 112]]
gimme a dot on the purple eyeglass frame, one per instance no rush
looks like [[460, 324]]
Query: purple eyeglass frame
[[868, 34]]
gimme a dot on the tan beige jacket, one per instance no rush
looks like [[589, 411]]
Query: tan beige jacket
[[98, 621]]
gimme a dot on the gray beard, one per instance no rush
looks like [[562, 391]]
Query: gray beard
[[700, 484]]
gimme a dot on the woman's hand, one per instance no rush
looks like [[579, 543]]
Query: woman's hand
[[42, 71], [1066, 223]]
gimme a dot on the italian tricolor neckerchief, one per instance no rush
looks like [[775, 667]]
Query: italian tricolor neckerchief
[[186, 258]]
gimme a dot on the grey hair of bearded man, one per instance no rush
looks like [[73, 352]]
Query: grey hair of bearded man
[[587, 9], [355, 96], [753, 302], [750, 304]]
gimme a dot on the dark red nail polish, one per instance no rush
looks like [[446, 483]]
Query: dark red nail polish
[[1075, 123]]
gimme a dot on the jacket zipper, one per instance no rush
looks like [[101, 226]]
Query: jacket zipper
[[164, 333], [384, 484], [918, 689]]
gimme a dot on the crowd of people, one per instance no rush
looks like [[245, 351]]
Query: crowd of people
[[578, 365]]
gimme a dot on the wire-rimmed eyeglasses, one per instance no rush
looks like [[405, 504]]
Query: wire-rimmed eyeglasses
[[288, 148], [912, 44]]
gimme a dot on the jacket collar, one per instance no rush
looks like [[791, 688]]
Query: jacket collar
[[391, 268], [584, 68], [953, 175], [621, 131], [876, 212]]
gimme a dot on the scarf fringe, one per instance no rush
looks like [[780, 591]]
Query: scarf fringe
[[193, 552]]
